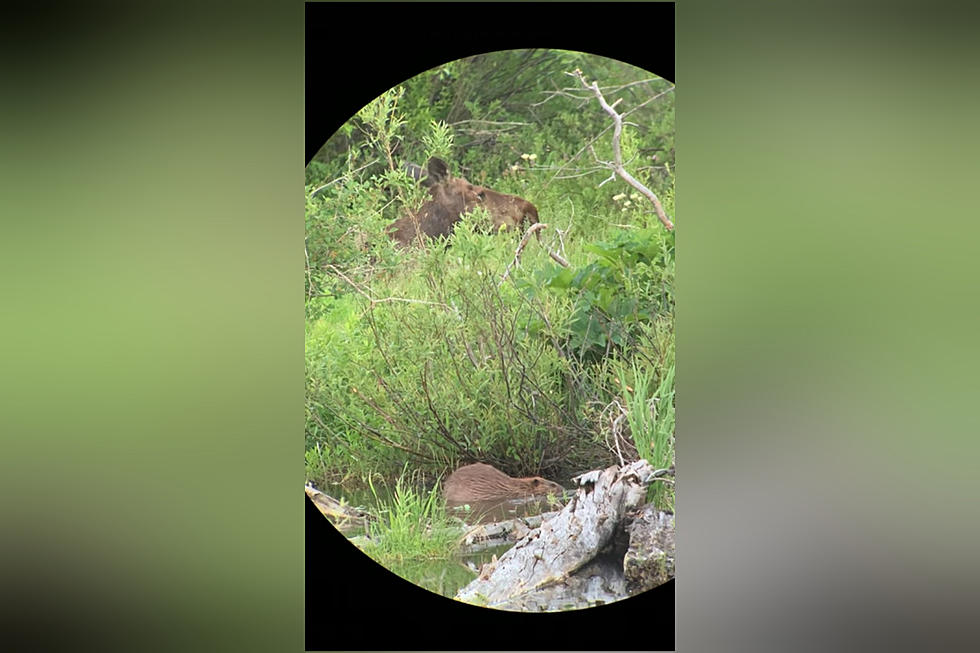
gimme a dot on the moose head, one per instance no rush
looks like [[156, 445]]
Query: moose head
[[449, 198]]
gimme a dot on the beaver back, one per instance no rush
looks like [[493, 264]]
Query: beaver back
[[481, 482]]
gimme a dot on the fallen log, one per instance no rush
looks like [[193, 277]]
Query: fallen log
[[340, 515], [487, 536], [576, 558]]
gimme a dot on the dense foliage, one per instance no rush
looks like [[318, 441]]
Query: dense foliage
[[429, 356]]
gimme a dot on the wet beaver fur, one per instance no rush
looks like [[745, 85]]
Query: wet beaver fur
[[481, 482]]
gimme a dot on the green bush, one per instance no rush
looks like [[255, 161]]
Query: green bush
[[628, 285], [427, 356]]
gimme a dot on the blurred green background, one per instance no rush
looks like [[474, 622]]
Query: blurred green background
[[827, 322], [826, 326], [152, 330]]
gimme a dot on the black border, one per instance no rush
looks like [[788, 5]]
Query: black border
[[352, 603], [354, 52], [357, 51]]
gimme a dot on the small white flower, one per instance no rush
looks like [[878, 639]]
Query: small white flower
[[525, 156], [616, 198], [532, 156]]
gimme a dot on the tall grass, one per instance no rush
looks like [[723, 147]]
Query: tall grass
[[650, 414], [413, 525]]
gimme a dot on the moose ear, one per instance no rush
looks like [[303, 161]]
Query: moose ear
[[414, 171], [438, 169]]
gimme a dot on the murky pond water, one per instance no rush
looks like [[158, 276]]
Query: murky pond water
[[446, 577], [485, 512]]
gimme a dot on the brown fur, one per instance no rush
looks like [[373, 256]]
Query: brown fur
[[480, 482], [450, 197], [508, 211]]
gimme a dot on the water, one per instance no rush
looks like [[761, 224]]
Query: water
[[487, 512], [443, 577]]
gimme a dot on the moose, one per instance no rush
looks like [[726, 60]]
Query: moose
[[449, 198]]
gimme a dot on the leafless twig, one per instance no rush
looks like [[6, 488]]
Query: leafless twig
[[648, 101], [578, 154], [331, 183], [489, 122], [616, 165], [374, 301], [560, 260], [584, 173], [520, 248], [616, 417], [574, 93], [309, 276]]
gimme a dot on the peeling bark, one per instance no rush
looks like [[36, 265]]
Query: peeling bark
[[572, 559]]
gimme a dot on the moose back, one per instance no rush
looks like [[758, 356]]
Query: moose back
[[449, 198]]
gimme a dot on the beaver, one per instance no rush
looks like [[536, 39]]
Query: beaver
[[481, 482]]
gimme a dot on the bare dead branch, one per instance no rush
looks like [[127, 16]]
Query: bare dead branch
[[616, 89], [489, 122], [344, 176], [578, 154], [618, 414], [374, 301], [486, 132], [616, 165], [309, 277], [575, 93], [520, 248], [559, 259], [563, 92], [583, 173], [648, 101]]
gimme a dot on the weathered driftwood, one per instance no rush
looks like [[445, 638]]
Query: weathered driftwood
[[575, 559], [342, 516], [487, 536], [649, 561]]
